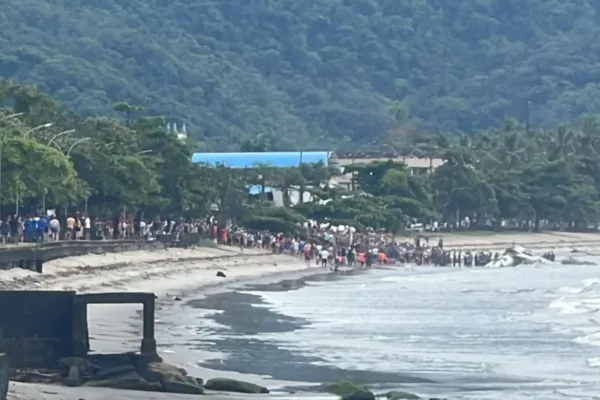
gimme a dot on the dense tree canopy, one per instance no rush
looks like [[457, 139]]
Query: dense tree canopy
[[311, 73], [51, 157]]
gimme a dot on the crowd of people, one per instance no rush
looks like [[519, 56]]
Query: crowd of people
[[327, 246]]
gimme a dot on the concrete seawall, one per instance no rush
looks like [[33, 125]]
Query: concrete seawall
[[33, 256]]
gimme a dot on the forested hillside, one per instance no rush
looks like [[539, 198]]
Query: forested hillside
[[310, 73]]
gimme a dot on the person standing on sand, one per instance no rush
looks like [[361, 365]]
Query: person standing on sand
[[307, 253], [5, 230], [324, 255], [70, 228]]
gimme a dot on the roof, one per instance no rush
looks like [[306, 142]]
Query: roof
[[281, 159]]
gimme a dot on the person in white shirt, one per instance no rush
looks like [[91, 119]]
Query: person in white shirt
[[324, 255], [87, 228]]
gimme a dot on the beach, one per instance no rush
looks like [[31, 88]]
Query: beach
[[200, 316]]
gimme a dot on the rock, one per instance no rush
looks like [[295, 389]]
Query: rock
[[125, 380], [575, 261], [232, 385], [171, 378], [221, 274], [108, 372], [344, 388], [177, 298], [360, 395], [398, 395], [36, 376], [189, 385]]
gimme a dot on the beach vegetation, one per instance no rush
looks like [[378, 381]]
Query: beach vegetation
[[51, 157]]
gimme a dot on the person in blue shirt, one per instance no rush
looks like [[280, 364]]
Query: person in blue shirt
[[40, 231], [28, 230]]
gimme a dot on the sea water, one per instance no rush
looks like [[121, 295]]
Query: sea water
[[527, 332]]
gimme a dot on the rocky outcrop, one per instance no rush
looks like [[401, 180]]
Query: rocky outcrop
[[134, 372], [233, 385], [118, 371]]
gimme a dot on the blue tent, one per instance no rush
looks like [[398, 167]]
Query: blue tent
[[275, 159]]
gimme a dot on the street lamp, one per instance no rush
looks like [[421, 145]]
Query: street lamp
[[143, 152], [59, 135], [37, 128], [11, 116], [76, 143]]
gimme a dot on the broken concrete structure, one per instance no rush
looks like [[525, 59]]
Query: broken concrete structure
[[39, 328], [45, 336]]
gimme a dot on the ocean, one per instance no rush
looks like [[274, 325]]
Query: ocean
[[527, 332]]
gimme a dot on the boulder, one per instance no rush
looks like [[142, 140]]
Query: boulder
[[360, 395], [233, 385], [171, 378], [399, 395], [344, 388], [221, 274], [124, 380]]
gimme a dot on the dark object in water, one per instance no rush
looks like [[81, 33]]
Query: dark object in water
[[221, 274], [549, 256]]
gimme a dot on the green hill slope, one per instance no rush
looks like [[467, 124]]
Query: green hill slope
[[310, 73]]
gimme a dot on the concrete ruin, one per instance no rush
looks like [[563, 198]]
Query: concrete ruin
[[39, 328], [44, 335]]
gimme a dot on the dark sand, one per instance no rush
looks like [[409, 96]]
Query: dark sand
[[251, 356]]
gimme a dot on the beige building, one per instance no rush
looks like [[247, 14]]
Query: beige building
[[416, 165]]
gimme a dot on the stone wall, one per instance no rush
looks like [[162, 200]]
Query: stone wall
[[36, 327]]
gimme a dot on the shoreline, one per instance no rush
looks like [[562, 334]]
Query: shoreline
[[180, 272], [167, 273]]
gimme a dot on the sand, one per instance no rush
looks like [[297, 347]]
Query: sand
[[167, 273], [179, 272]]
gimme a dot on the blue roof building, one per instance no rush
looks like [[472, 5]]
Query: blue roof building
[[283, 159]]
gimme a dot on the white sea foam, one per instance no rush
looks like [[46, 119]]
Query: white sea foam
[[536, 322]]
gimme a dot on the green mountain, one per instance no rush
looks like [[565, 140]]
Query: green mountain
[[311, 73]]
